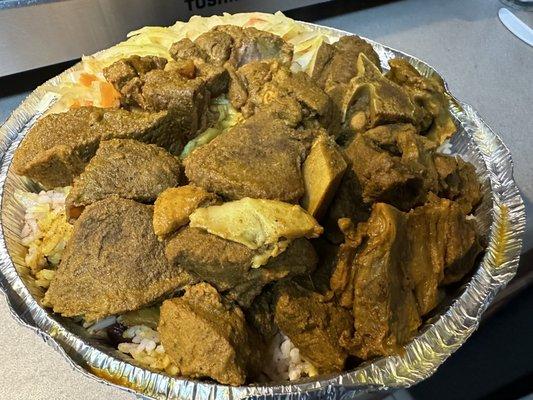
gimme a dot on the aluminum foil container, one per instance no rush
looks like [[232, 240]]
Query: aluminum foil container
[[500, 219]]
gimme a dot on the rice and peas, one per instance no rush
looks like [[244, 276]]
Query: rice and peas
[[46, 231]]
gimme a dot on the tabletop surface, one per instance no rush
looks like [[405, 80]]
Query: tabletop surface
[[483, 64]]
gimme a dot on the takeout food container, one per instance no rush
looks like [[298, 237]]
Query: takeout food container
[[500, 218]]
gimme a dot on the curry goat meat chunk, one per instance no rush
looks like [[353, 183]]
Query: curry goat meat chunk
[[126, 168], [113, 263], [144, 83], [270, 86], [227, 265], [234, 46], [314, 325], [395, 165], [391, 270], [260, 158], [58, 146], [207, 336]]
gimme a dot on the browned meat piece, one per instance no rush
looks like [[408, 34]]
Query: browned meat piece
[[347, 203], [179, 89], [370, 99], [187, 49], [273, 88], [217, 45], [174, 206], [333, 69], [370, 279], [238, 46], [327, 259], [237, 92], [113, 263], [206, 336], [260, 315], [58, 146], [227, 265], [314, 325], [429, 93], [393, 164], [458, 181], [391, 268], [126, 76], [126, 168], [260, 158], [335, 63], [188, 99], [444, 246], [216, 78]]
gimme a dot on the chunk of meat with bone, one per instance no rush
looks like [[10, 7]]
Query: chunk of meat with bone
[[390, 270], [314, 325], [174, 206], [238, 46], [206, 336], [126, 168], [113, 263], [58, 146], [227, 265], [273, 88], [335, 65], [371, 100], [260, 158], [429, 94]]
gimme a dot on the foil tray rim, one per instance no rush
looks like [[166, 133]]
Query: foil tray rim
[[427, 351]]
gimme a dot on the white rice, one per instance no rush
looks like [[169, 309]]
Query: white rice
[[146, 349], [45, 231], [286, 362]]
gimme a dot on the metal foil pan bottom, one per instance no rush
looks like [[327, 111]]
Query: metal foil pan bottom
[[500, 218]]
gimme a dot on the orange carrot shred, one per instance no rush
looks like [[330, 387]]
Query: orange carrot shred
[[108, 95], [87, 79]]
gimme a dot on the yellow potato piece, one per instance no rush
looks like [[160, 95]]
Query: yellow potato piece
[[174, 205], [265, 225], [322, 172]]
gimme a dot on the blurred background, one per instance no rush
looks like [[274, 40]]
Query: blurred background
[[483, 63]]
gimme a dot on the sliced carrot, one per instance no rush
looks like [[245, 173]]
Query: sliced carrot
[[87, 79], [108, 95], [75, 104]]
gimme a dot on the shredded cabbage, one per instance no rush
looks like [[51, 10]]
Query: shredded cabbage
[[227, 118]]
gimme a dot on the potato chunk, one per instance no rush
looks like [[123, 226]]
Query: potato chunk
[[322, 172], [173, 207], [264, 225]]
